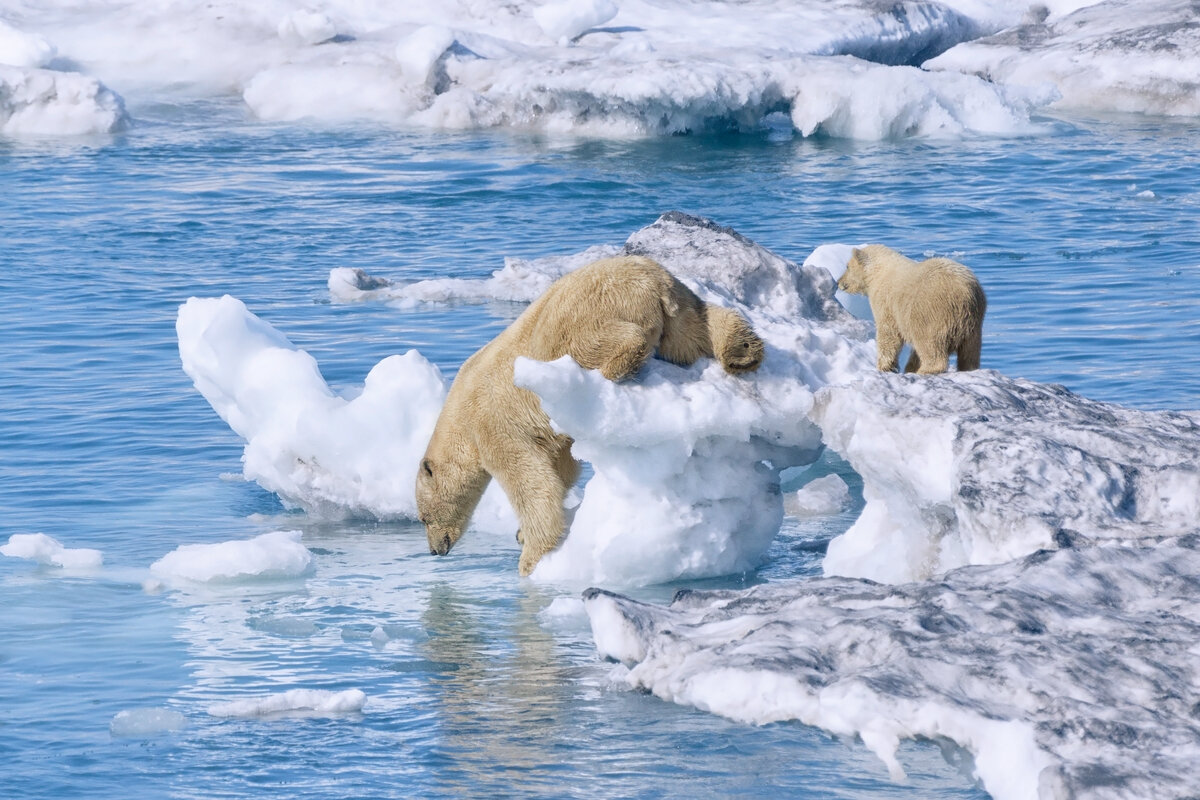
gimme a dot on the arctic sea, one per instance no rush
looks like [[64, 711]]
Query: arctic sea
[[1085, 239]]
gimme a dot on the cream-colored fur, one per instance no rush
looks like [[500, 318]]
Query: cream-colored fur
[[611, 315], [936, 306]]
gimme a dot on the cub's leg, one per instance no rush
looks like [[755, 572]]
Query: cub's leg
[[888, 341], [968, 351]]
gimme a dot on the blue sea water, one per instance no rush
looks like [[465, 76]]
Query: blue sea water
[[1085, 239]]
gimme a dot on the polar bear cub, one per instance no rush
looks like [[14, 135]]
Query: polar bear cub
[[936, 306]]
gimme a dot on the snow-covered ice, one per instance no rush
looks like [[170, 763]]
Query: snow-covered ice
[[298, 702], [849, 68], [278, 554], [978, 468], [1068, 674], [48, 551], [1119, 55], [597, 67]]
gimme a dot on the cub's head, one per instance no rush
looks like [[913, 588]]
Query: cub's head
[[735, 344], [854, 279], [447, 494]]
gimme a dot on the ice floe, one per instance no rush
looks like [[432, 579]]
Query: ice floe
[[596, 67], [293, 702], [48, 551], [978, 468], [42, 102], [1119, 55], [1067, 674], [278, 554]]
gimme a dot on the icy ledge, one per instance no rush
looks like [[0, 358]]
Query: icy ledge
[[977, 468], [1068, 674]]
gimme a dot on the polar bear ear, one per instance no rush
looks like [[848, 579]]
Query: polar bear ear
[[427, 465]]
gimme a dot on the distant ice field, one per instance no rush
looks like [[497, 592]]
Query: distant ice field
[[193, 683]]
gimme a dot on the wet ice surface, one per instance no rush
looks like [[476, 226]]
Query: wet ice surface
[[1063, 674]]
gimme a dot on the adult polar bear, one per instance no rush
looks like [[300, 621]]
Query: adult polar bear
[[936, 305], [611, 315]]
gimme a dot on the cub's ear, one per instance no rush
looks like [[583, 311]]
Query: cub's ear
[[857, 255], [427, 466]]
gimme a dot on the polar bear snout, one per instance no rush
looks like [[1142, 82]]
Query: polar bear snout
[[440, 547]]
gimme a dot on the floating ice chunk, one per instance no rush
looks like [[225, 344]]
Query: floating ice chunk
[[278, 554], [1121, 55], [20, 49], [39, 102], [977, 468], [1013, 663], [563, 20], [146, 722], [48, 551], [420, 50], [330, 456], [304, 27], [305, 702], [826, 495]]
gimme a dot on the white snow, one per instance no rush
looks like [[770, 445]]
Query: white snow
[[978, 468], [146, 722], [278, 554], [48, 551], [302, 702], [1064, 674]]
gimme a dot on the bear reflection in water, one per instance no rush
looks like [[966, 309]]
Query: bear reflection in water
[[611, 315]]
